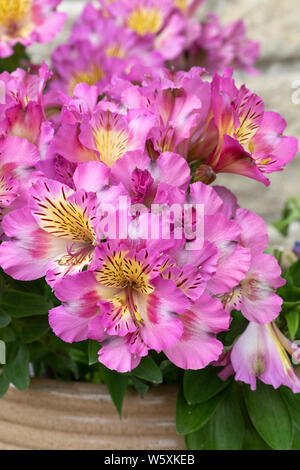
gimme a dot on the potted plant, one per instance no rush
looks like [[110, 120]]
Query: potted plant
[[125, 267]]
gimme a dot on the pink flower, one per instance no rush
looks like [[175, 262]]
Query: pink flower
[[22, 108], [80, 61], [255, 295], [261, 352], [147, 182], [105, 136], [115, 40], [17, 159], [145, 17], [198, 345], [217, 47], [56, 232], [133, 301], [28, 21], [239, 135]]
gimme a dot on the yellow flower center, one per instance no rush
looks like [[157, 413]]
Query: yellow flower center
[[121, 272], [12, 11], [115, 51], [111, 138], [91, 77], [181, 4], [145, 20], [15, 18], [64, 218]]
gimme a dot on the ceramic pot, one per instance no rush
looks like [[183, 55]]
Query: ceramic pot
[[62, 415]]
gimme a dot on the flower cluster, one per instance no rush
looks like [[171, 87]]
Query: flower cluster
[[121, 36], [108, 198], [28, 21], [105, 169]]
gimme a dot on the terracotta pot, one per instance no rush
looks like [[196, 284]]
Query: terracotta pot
[[62, 415]]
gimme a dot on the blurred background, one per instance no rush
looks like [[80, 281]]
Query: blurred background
[[275, 24]]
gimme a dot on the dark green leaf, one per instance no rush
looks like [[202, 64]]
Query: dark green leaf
[[4, 319], [117, 384], [292, 319], [293, 402], [148, 370], [270, 416], [190, 418], [93, 349], [4, 384], [171, 373], [201, 385], [202, 439], [253, 441], [17, 371], [34, 328], [20, 304], [226, 428], [296, 440], [14, 61], [7, 334], [140, 386]]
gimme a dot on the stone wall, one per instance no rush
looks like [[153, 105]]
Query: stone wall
[[276, 24]]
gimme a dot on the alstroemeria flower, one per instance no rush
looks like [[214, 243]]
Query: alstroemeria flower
[[22, 107], [145, 17], [198, 345], [255, 295], [56, 232], [239, 135], [113, 39], [217, 47], [224, 233], [132, 301], [28, 21], [81, 61], [105, 136], [188, 7], [164, 180], [262, 352], [17, 158]]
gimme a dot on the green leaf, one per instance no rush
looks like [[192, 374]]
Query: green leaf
[[148, 370], [20, 304], [228, 422], [270, 416], [14, 61], [292, 319], [293, 402], [62, 366], [201, 385], [117, 384], [4, 319], [4, 384], [93, 349], [296, 440], [291, 213], [140, 386], [253, 441], [17, 371], [171, 373], [201, 439], [226, 428], [34, 328], [190, 418]]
